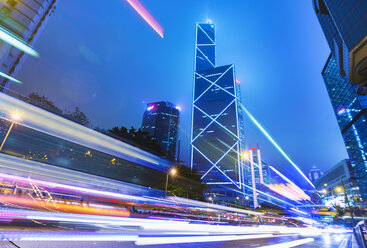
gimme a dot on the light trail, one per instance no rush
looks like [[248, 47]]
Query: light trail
[[81, 238], [16, 42], [276, 198], [291, 243], [267, 135], [299, 211], [146, 16], [10, 78], [95, 192], [54, 125], [195, 239], [155, 225], [285, 178], [213, 206]]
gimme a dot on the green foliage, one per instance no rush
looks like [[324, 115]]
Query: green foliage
[[137, 137], [45, 103], [186, 183]]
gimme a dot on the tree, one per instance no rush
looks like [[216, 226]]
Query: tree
[[186, 183], [78, 116], [136, 137], [44, 102]]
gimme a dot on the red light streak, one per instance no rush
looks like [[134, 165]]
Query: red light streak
[[146, 16]]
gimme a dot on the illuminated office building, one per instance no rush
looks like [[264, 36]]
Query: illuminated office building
[[332, 181], [344, 25], [314, 173], [160, 120], [24, 19], [217, 124], [350, 111]]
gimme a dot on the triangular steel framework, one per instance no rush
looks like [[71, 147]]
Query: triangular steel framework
[[217, 100]]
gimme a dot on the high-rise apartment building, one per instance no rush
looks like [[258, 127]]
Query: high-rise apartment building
[[351, 113], [25, 20], [160, 120], [344, 25], [217, 131]]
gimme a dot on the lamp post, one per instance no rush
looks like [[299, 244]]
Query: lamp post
[[14, 117], [338, 189], [172, 172]]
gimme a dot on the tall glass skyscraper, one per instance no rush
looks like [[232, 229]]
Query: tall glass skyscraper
[[344, 25], [24, 19], [351, 112], [160, 120], [217, 131]]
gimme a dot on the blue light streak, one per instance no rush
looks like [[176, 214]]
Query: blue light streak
[[267, 135], [10, 78], [16, 42]]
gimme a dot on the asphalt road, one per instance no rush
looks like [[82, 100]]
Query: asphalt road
[[324, 241]]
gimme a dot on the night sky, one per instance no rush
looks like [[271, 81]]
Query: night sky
[[103, 57]]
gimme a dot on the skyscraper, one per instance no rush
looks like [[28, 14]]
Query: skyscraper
[[24, 19], [217, 134], [351, 113], [160, 120], [344, 25]]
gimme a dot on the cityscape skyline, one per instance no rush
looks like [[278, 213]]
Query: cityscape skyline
[[79, 83], [194, 123]]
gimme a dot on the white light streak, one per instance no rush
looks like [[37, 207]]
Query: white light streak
[[16, 42], [194, 239], [10, 78], [275, 144], [290, 244]]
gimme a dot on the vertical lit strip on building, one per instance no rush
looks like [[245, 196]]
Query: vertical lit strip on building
[[260, 166], [146, 16], [253, 178]]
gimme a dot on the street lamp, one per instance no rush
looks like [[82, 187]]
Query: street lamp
[[15, 117], [338, 189], [247, 197], [245, 155], [173, 172], [324, 191]]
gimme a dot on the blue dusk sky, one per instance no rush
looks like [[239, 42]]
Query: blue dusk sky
[[103, 57]]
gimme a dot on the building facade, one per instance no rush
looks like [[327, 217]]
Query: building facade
[[217, 131], [330, 185], [350, 111], [160, 120], [344, 25], [314, 173], [25, 20]]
